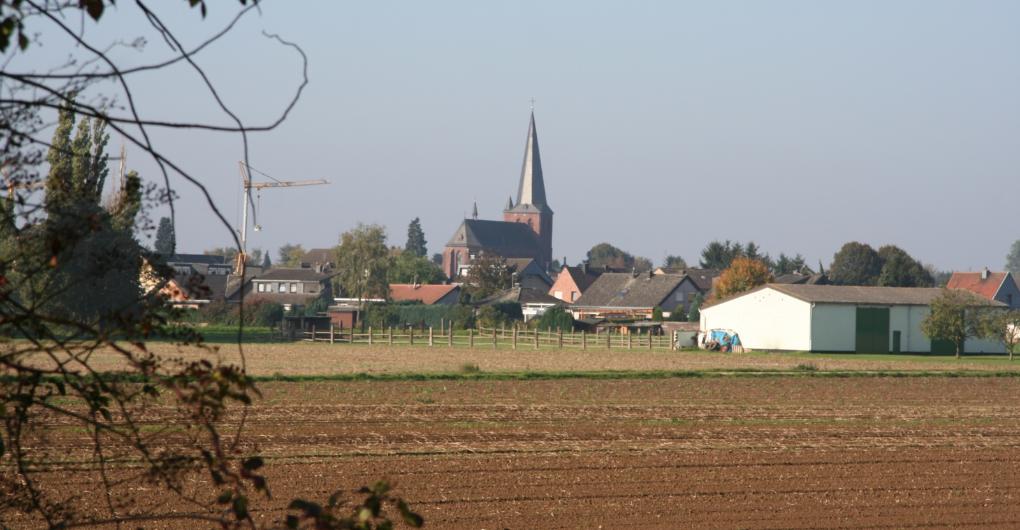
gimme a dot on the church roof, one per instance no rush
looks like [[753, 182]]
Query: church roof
[[504, 238], [531, 190]]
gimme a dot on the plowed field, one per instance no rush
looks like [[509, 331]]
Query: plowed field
[[724, 452]]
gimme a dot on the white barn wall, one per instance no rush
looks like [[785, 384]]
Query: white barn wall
[[764, 320]]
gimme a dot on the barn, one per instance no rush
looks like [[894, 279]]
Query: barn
[[834, 318]]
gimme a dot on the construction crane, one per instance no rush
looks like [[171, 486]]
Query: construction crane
[[246, 186]]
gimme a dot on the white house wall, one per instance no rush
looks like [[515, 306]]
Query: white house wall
[[764, 320]]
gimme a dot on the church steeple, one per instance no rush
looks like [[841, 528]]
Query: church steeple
[[531, 189]]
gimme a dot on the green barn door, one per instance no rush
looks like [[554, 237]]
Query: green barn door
[[872, 330]]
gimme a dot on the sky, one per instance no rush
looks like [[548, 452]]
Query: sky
[[800, 125]]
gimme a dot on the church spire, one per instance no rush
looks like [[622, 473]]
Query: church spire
[[509, 203], [531, 190], [474, 211]]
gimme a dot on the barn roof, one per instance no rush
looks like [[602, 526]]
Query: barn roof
[[853, 294]]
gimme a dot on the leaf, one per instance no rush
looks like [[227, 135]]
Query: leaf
[[334, 499], [93, 7], [412, 519], [310, 508], [292, 521], [241, 507], [225, 497], [253, 463]]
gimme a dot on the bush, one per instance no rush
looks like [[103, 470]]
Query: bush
[[657, 314], [500, 314], [383, 315], [256, 313], [678, 314], [556, 318]]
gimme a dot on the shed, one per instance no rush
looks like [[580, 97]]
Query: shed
[[834, 318]]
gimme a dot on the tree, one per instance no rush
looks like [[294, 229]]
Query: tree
[[657, 314], [678, 314], [674, 263], [694, 313], [266, 262], [855, 264], [1002, 326], [742, 275], [416, 244], [719, 256], [488, 275], [165, 238], [555, 266], [168, 418], [953, 317], [606, 255], [1013, 258], [786, 265], [437, 259], [642, 264], [363, 262], [229, 253], [899, 269], [290, 255], [407, 267]]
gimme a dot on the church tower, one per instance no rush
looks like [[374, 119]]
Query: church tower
[[532, 208]]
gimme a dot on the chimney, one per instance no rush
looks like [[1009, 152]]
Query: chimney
[[584, 267], [984, 274]]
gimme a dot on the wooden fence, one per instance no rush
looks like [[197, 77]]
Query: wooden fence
[[495, 338]]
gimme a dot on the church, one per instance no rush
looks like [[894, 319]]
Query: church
[[524, 232]]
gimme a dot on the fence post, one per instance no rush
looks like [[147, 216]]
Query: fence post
[[449, 338], [537, 331], [609, 338], [630, 340], [411, 331], [430, 336], [584, 340], [649, 339], [314, 338], [370, 338], [559, 339], [494, 340], [389, 335], [331, 332], [513, 342], [471, 337]]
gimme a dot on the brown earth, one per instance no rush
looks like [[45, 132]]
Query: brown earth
[[303, 358], [773, 452]]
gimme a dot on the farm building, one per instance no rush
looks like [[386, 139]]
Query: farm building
[[834, 318]]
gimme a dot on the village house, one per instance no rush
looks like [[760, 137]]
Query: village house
[[999, 286], [524, 232], [632, 296], [534, 302], [699, 282], [834, 318], [572, 282], [527, 272], [320, 259], [428, 294], [289, 287]]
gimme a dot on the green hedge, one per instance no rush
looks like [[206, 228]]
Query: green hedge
[[382, 316]]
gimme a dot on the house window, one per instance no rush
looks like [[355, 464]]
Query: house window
[[262, 287], [558, 294], [293, 287], [573, 296], [281, 288]]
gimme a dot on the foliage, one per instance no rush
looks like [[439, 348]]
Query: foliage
[[220, 313], [1003, 327], [384, 315], [165, 242], [720, 255], [290, 255], [416, 244], [407, 267], [899, 269], [678, 314], [229, 253], [488, 275], [69, 287], [657, 314], [605, 255], [437, 259], [742, 275], [855, 264], [266, 262], [675, 263], [500, 314], [363, 260], [555, 265], [694, 312], [556, 318], [954, 317], [786, 265], [1013, 258]]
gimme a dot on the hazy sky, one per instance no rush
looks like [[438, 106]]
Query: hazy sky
[[663, 125]]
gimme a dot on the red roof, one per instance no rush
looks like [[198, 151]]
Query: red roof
[[427, 294], [973, 281]]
